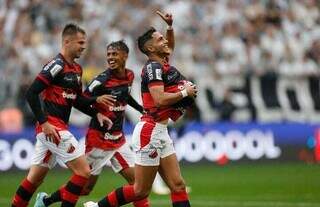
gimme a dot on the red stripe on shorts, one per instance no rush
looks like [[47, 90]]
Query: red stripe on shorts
[[121, 160], [145, 134], [47, 157]]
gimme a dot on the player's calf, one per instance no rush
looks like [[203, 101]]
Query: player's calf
[[179, 195], [23, 194]]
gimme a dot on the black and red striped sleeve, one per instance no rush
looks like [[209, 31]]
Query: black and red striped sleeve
[[50, 71], [33, 99], [134, 104], [84, 104]]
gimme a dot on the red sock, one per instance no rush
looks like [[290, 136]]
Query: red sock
[[118, 197], [141, 203], [180, 199], [23, 194], [72, 190]]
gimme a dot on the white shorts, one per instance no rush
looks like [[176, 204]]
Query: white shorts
[[151, 141], [120, 159], [47, 153]]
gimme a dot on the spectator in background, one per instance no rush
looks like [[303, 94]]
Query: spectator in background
[[226, 107], [22, 105], [31, 27]]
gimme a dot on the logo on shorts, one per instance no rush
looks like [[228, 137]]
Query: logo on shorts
[[71, 149], [153, 154]]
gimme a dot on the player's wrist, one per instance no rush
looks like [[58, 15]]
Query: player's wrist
[[169, 27], [184, 93]]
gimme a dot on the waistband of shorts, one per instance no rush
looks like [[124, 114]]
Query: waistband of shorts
[[157, 124]]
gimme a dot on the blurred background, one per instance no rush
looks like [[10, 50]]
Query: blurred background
[[256, 63]]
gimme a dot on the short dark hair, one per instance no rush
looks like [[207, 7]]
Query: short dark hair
[[72, 29], [119, 45], [145, 38]]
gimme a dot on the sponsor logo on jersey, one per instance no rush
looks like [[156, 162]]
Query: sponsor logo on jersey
[[47, 67], [55, 70], [69, 95], [149, 71], [112, 137], [117, 108], [158, 74], [94, 84]]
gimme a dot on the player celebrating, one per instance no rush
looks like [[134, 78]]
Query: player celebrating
[[59, 84], [103, 144], [152, 144]]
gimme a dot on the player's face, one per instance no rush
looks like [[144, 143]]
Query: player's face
[[77, 44], [116, 58], [160, 44]]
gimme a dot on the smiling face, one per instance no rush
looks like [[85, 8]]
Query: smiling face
[[116, 58], [158, 45]]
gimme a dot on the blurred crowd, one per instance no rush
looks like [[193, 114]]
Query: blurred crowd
[[215, 40]]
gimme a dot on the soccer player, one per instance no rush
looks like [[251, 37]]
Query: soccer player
[[60, 87], [151, 142], [103, 144]]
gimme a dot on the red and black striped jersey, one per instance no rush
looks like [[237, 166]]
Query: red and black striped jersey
[[63, 85], [108, 83], [153, 73]]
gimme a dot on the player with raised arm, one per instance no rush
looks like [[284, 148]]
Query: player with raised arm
[[103, 144], [164, 92], [60, 87]]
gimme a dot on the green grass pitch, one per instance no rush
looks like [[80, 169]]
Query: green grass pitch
[[273, 184]]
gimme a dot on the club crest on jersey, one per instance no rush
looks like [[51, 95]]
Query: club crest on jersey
[[69, 95]]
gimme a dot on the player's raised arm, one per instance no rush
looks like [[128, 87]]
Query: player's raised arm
[[169, 34]]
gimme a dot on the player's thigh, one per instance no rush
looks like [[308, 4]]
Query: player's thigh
[[97, 159], [128, 174], [170, 172], [144, 177], [37, 174], [122, 158], [43, 156]]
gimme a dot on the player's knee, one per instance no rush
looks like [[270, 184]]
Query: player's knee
[[141, 193], [178, 185], [130, 181], [36, 182], [84, 172]]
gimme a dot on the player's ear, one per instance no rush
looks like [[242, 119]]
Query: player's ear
[[125, 55], [150, 48], [65, 40]]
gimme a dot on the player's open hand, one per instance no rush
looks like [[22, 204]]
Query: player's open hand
[[192, 90], [102, 119], [107, 100], [51, 133], [167, 17]]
